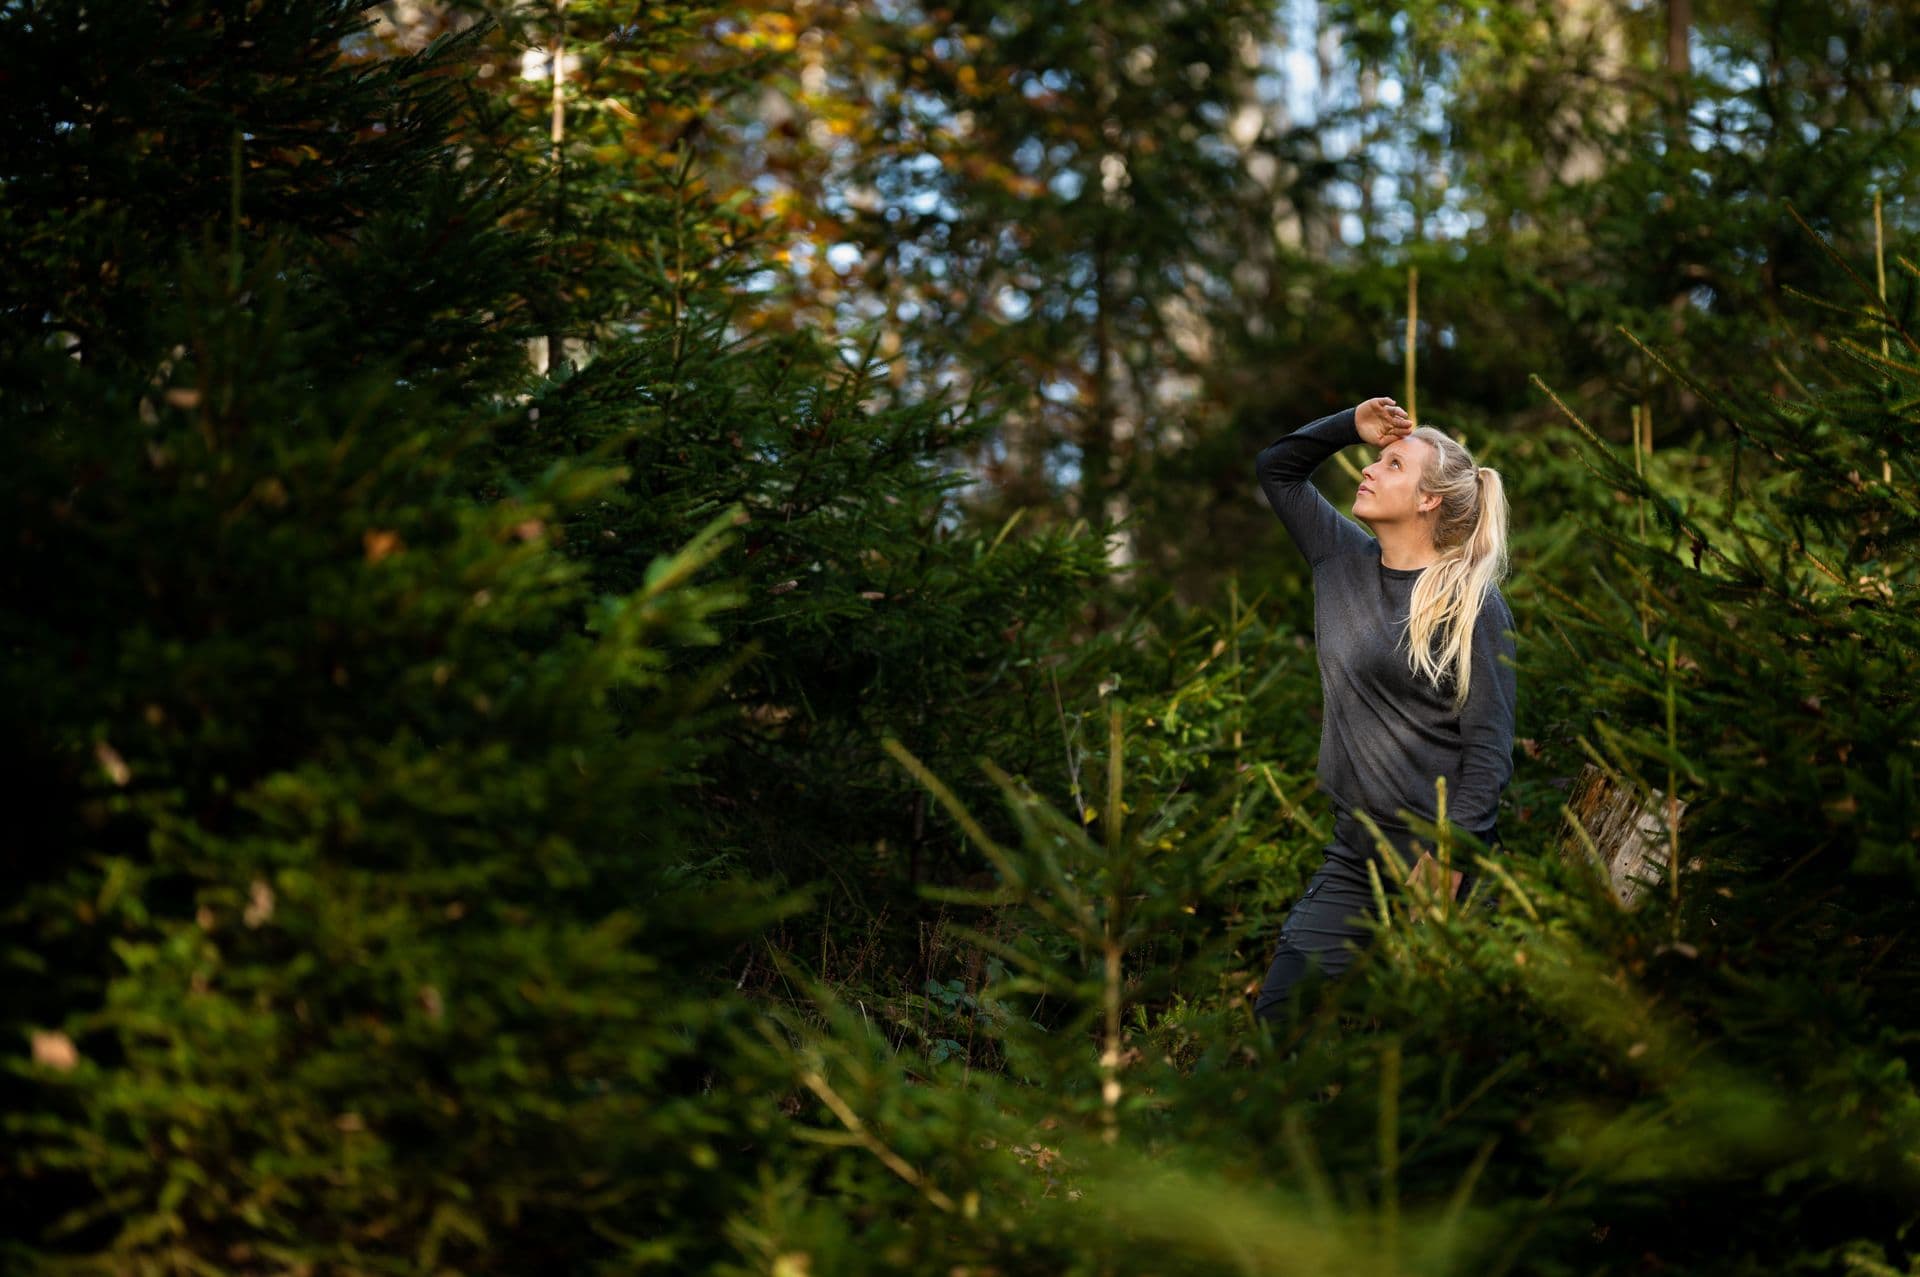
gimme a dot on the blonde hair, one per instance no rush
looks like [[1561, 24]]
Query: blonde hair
[[1471, 535]]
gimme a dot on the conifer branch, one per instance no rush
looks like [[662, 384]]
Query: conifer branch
[[858, 1129], [1879, 302], [1692, 383]]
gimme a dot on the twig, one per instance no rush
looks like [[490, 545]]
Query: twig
[[892, 1160]]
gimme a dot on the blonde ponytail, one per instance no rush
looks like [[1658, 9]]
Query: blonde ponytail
[[1471, 535]]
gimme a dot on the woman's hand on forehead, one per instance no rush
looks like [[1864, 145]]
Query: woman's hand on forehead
[[1380, 421]]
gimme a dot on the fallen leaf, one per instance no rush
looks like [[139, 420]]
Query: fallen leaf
[[379, 543], [55, 1050], [110, 762], [259, 904]]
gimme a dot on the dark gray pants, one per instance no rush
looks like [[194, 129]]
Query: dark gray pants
[[1323, 932]]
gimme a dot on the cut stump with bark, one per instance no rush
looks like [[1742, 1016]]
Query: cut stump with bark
[[1628, 833]]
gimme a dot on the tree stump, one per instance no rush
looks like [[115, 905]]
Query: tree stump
[[1629, 835]]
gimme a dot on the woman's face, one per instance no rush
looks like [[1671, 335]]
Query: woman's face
[[1390, 485]]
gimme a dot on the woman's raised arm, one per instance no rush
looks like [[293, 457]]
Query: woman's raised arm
[[1285, 468]]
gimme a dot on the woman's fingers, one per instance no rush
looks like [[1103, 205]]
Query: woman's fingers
[[1382, 415]]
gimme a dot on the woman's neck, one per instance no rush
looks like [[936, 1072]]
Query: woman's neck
[[1404, 548]]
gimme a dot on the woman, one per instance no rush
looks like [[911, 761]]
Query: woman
[[1415, 661]]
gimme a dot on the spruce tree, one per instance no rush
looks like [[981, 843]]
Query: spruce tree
[[348, 931]]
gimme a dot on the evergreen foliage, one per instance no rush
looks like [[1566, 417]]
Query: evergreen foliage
[[868, 605], [348, 928], [637, 814]]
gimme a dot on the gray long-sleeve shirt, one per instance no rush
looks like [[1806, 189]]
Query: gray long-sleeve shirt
[[1387, 733]]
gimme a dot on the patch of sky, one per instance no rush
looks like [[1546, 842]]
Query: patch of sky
[[1049, 81], [1738, 76], [1061, 464], [1448, 222], [1702, 136], [842, 257], [907, 256], [1300, 32], [1217, 149], [854, 356], [1340, 139]]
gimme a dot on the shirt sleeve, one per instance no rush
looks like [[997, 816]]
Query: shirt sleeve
[[1486, 723], [1286, 467]]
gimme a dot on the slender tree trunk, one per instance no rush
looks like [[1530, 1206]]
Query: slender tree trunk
[[1595, 38], [1096, 454], [557, 135], [1679, 70], [1369, 99], [1679, 27]]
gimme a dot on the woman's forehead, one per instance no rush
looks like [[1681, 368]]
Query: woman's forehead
[[1403, 448]]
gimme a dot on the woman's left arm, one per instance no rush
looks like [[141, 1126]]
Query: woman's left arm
[[1486, 723]]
